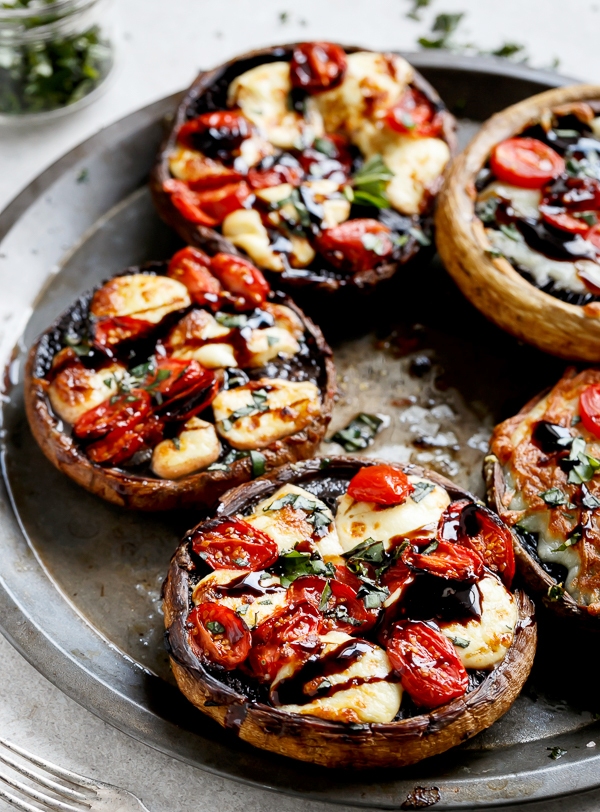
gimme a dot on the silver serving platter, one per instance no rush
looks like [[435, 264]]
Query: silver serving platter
[[80, 580]]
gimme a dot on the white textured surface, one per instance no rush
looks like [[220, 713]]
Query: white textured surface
[[162, 44]]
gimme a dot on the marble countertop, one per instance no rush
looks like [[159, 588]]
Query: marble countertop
[[161, 45]]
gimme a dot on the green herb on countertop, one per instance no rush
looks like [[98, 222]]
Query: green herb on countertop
[[360, 432]]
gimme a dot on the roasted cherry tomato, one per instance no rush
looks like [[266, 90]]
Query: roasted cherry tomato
[[573, 194], [191, 267], [186, 391], [344, 612], [317, 66], [242, 278], [593, 236], [451, 561], [430, 670], [415, 115], [209, 174], [589, 408], [235, 544], [346, 576], [382, 484], [286, 170], [216, 134], [525, 162], [564, 221], [477, 528], [289, 636], [328, 157], [121, 444], [356, 245], [108, 333], [219, 634], [308, 588], [121, 411], [208, 208], [398, 576]]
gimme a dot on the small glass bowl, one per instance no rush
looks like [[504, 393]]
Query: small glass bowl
[[54, 55]]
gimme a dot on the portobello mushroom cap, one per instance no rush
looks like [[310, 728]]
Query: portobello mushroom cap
[[208, 93], [145, 491], [537, 580], [308, 738], [491, 282]]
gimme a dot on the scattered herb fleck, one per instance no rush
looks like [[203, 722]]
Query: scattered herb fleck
[[421, 489], [431, 548], [259, 463], [556, 592], [556, 752], [214, 627], [359, 433], [461, 642]]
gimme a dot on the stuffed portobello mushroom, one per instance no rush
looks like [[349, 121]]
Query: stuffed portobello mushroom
[[321, 164], [172, 382], [518, 222], [348, 612], [543, 476]]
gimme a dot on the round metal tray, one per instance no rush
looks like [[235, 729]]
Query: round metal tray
[[80, 580]]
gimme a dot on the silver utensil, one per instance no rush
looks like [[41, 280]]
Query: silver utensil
[[52, 788]]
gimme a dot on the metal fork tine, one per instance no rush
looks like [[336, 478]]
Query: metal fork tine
[[60, 789], [73, 778], [17, 802], [41, 797]]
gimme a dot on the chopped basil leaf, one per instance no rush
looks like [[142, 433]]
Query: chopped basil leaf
[[359, 433], [266, 602], [493, 252], [421, 489], [241, 610], [400, 240], [431, 548], [368, 550], [510, 231], [575, 420], [417, 5], [556, 592], [588, 500], [375, 243], [556, 752], [444, 25], [231, 320], [295, 564], [570, 542], [419, 236], [370, 182], [241, 562], [295, 500], [372, 595], [324, 463], [486, 210], [259, 463], [325, 146], [587, 216], [176, 442], [325, 597], [214, 627], [461, 642], [554, 497]]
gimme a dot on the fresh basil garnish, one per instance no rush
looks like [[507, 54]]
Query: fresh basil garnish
[[214, 627], [359, 433], [370, 182], [421, 489], [368, 550]]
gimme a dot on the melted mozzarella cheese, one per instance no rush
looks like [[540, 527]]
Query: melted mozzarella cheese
[[417, 163], [564, 274], [547, 548], [288, 526], [262, 95], [357, 521], [144, 296], [524, 202], [489, 638], [195, 448], [245, 230], [375, 700], [76, 390], [254, 610], [271, 342], [291, 406], [372, 84], [187, 341], [285, 318]]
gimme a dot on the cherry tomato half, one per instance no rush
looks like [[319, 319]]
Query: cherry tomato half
[[120, 445], [450, 561], [317, 66], [108, 333], [240, 277], [288, 637], [430, 670], [186, 392], [356, 245], [477, 528], [235, 544], [328, 157], [216, 134], [118, 412], [276, 175], [415, 115], [398, 576], [210, 207], [525, 162], [589, 408], [219, 634], [381, 484], [190, 266], [564, 221]]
